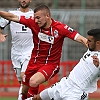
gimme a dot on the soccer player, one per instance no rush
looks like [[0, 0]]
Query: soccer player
[[82, 79], [22, 40], [48, 40]]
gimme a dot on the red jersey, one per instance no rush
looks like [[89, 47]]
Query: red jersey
[[48, 42]]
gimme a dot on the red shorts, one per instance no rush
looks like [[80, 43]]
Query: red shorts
[[48, 70]]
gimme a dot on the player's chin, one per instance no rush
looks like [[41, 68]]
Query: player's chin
[[40, 25]]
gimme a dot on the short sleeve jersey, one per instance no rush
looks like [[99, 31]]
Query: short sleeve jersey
[[85, 74], [22, 37], [48, 42]]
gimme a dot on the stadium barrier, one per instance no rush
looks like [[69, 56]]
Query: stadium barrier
[[8, 78]]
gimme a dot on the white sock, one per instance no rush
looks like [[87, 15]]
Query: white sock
[[20, 93]]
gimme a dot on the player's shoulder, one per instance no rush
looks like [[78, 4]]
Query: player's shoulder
[[18, 10], [31, 10], [57, 23], [14, 10]]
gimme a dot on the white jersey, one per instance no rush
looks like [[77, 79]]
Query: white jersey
[[85, 74], [22, 37], [81, 81]]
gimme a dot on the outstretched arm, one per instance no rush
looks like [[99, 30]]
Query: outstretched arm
[[9, 16], [82, 40], [2, 36]]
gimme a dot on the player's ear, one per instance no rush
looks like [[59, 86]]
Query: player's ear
[[47, 15], [30, 1], [98, 43]]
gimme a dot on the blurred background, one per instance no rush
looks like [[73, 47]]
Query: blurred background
[[81, 15]]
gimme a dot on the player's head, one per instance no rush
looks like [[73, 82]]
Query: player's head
[[24, 3], [42, 15], [94, 39]]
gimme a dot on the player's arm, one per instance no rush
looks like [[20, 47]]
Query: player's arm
[[96, 61], [9, 16], [82, 40], [2, 36], [73, 34], [3, 24], [37, 97]]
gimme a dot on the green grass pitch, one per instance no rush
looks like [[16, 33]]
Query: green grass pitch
[[13, 98]]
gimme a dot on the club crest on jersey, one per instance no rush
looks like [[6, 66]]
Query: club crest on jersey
[[96, 54], [27, 17], [55, 33], [46, 38]]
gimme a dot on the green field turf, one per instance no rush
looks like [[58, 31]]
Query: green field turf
[[8, 98]]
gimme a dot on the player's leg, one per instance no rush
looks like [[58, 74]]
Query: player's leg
[[17, 67], [33, 90], [23, 68], [28, 73], [44, 73], [42, 96], [72, 91], [76, 97], [84, 96], [18, 71], [24, 91]]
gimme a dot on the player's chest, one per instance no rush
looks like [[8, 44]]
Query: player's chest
[[49, 35]]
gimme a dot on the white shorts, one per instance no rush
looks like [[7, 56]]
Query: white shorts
[[66, 90], [22, 68], [20, 60]]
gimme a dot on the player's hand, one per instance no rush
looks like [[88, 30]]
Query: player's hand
[[36, 97], [3, 37], [96, 61]]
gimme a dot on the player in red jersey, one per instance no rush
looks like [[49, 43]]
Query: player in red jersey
[[48, 37]]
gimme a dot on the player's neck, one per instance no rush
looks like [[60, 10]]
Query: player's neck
[[49, 23], [97, 48], [24, 10]]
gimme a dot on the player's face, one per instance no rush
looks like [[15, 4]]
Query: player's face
[[41, 18], [91, 43], [24, 3]]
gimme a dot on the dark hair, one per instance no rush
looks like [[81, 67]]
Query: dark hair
[[95, 33], [42, 7]]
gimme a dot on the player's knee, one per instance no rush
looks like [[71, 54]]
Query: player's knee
[[33, 82]]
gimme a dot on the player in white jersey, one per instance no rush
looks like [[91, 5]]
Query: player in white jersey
[[22, 39], [82, 80]]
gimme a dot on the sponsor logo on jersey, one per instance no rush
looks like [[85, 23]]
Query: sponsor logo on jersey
[[70, 29], [46, 38], [96, 54]]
